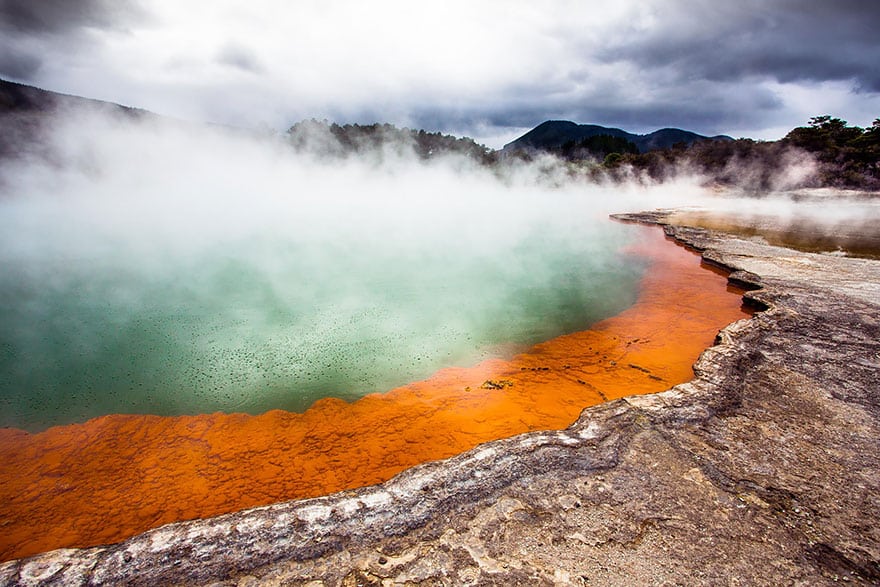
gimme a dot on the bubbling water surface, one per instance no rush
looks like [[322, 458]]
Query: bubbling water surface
[[278, 323]]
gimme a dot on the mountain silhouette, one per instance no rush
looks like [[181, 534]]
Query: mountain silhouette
[[553, 134]]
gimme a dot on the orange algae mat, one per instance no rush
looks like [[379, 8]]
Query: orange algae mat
[[118, 475]]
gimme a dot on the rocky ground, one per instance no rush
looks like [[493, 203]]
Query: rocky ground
[[763, 470]]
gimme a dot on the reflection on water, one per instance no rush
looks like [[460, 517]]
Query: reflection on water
[[857, 236], [118, 475]]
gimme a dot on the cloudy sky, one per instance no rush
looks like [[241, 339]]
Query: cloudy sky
[[485, 68]]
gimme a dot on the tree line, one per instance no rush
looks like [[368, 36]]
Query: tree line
[[827, 152], [342, 140]]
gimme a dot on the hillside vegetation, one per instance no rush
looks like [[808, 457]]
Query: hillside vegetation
[[563, 137], [825, 153], [331, 139]]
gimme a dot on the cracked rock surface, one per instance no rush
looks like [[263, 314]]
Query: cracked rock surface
[[763, 470]]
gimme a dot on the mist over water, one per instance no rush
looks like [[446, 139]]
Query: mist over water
[[165, 269]]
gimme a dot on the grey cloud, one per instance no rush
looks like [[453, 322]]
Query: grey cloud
[[32, 30], [18, 64], [703, 65], [235, 55], [785, 40], [700, 66], [700, 106], [37, 17]]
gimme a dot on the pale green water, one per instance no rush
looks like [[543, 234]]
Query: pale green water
[[164, 269], [278, 324]]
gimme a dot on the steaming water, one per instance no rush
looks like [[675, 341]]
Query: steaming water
[[241, 280], [84, 337]]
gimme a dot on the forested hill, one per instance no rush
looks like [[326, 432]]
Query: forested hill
[[25, 112], [828, 152], [562, 135], [18, 98], [331, 139]]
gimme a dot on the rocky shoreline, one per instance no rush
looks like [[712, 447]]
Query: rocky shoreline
[[764, 469]]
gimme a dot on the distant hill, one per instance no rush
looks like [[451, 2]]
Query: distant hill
[[828, 152], [553, 134], [331, 139], [25, 112], [19, 98]]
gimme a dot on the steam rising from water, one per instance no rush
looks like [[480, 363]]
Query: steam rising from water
[[159, 268], [156, 267]]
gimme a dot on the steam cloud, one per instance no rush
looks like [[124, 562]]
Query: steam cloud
[[160, 267]]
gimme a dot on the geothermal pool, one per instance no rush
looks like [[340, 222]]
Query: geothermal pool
[[193, 323], [150, 268], [278, 323], [117, 475]]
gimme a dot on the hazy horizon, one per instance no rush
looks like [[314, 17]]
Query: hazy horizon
[[489, 70]]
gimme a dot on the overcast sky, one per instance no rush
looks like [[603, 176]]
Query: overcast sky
[[485, 68]]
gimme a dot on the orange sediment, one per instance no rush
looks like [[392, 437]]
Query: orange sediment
[[118, 475]]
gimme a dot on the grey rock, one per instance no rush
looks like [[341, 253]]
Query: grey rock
[[762, 470]]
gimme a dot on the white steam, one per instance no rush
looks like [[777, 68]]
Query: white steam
[[161, 267]]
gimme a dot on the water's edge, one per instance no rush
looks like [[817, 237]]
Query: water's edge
[[647, 478]]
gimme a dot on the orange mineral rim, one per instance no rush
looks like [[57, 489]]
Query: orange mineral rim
[[118, 475]]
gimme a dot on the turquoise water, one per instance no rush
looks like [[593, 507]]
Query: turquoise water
[[172, 270], [274, 323]]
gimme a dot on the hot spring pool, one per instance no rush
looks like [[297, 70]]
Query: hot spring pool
[[279, 323], [165, 272]]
